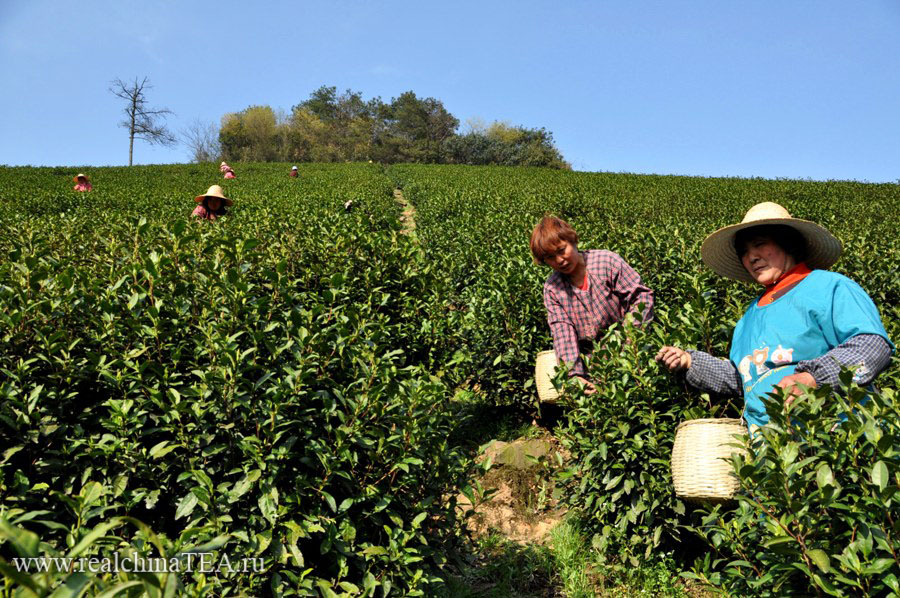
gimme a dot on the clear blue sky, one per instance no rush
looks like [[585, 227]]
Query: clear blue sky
[[798, 89]]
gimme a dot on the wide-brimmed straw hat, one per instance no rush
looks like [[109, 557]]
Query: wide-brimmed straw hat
[[214, 191], [293, 168], [80, 176], [719, 253]]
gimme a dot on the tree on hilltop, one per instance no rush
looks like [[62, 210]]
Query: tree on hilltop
[[337, 126], [202, 139], [503, 144], [254, 134], [141, 121], [421, 124]]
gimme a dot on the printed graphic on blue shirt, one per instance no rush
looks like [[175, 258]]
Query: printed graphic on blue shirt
[[759, 359]]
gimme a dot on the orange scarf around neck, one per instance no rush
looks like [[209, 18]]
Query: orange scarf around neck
[[784, 284]]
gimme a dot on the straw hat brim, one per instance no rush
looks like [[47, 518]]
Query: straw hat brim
[[213, 192], [718, 252], [80, 176]]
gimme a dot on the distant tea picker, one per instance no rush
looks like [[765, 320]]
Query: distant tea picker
[[82, 182], [229, 172], [212, 204], [294, 172]]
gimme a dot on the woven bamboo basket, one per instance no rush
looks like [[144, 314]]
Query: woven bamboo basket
[[701, 471], [544, 370]]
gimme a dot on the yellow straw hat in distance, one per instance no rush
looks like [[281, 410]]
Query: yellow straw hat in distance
[[214, 191], [718, 252], [80, 176]]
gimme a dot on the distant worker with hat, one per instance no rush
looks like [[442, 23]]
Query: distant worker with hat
[[82, 182], [806, 324], [229, 172], [587, 292], [294, 172], [211, 204]]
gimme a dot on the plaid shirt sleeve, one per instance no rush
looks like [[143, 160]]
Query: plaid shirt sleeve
[[562, 329], [629, 288], [711, 374], [868, 351]]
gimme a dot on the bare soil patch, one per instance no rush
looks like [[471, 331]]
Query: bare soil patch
[[523, 502]]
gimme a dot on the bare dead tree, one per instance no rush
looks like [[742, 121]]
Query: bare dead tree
[[141, 121], [202, 139]]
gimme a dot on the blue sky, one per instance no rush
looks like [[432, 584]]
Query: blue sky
[[798, 89]]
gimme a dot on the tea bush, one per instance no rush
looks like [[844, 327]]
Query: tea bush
[[621, 442], [819, 510]]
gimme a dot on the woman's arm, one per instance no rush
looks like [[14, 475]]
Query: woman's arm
[[853, 319], [631, 291], [711, 374], [868, 351], [704, 371]]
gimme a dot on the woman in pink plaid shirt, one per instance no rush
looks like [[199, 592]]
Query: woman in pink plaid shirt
[[587, 292]]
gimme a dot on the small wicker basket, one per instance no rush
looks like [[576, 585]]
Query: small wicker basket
[[701, 471], [544, 370]]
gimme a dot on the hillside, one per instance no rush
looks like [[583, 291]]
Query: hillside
[[305, 385]]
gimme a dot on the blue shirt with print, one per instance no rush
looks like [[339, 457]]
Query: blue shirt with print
[[824, 310]]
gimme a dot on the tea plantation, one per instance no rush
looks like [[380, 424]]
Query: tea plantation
[[275, 389]]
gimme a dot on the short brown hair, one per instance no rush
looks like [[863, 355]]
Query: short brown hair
[[547, 235]]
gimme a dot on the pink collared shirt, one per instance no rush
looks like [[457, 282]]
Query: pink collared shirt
[[83, 187], [614, 289]]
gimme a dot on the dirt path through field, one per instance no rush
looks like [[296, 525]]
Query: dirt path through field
[[408, 217]]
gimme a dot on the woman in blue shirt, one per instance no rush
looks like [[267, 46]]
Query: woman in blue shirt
[[807, 323]]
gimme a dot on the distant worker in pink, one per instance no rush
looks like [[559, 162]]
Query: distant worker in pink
[[229, 172], [294, 172], [212, 204], [83, 184]]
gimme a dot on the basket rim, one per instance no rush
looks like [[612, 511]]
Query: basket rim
[[721, 421]]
